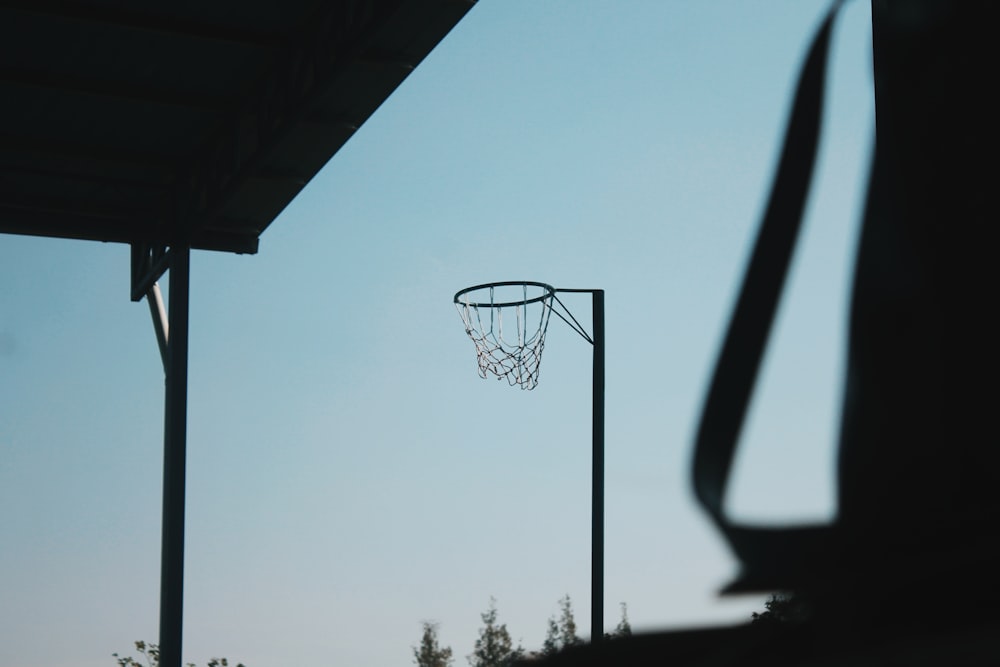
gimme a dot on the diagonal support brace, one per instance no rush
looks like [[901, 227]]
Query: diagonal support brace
[[161, 324], [149, 262]]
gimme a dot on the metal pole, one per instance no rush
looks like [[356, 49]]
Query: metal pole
[[161, 324], [174, 455], [597, 483]]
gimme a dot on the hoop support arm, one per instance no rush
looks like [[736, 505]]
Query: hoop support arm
[[575, 324]]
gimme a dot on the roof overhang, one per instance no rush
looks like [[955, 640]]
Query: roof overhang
[[189, 122]]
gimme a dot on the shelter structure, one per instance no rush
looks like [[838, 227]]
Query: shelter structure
[[184, 126]]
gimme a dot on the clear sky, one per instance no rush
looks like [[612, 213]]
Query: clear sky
[[349, 474]]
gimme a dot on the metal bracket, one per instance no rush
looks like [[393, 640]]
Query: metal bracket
[[149, 262], [161, 325]]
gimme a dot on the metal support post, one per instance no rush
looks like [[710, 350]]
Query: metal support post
[[174, 456], [597, 483]]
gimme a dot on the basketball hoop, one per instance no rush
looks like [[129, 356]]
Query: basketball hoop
[[500, 318], [507, 322]]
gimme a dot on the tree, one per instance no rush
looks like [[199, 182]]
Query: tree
[[551, 644], [494, 647], [562, 632], [782, 608], [430, 653], [623, 629], [151, 655]]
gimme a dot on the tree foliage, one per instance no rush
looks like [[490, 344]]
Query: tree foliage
[[561, 632], [430, 653], [151, 658], [551, 644], [782, 608], [623, 629], [494, 647]]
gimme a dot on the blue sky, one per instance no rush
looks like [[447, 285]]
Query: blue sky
[[349, 475]]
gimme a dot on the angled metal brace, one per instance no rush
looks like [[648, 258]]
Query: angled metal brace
[[149, 262], [575, 324], [161, 324]]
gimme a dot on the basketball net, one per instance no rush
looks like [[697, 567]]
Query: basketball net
[[509, 333]]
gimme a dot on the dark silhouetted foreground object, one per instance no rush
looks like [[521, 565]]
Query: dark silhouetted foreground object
[[908, 571]]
